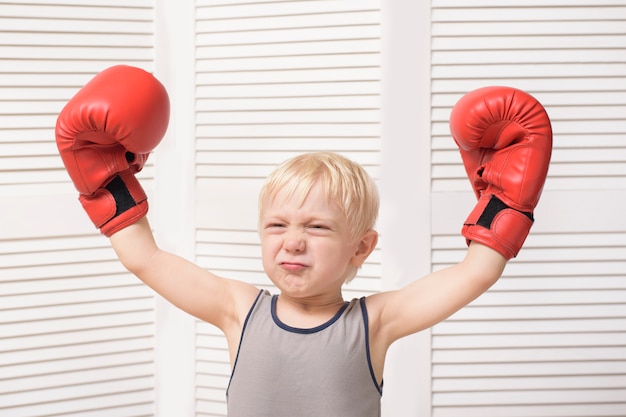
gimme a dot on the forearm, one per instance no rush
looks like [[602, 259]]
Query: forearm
[[483, 264], [461, 283], [135, 246], [450, 289]]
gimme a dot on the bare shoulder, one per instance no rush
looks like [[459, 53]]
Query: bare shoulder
[[223, 302], [237, 298], [243, 295], [377, 305]]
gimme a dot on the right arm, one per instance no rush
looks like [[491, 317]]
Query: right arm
[[219, 301], [104, 135]]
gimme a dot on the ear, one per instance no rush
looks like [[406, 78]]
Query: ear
[[364, 248]]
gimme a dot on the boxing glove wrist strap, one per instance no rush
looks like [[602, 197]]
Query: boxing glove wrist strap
[[498, 226], [117, 205]]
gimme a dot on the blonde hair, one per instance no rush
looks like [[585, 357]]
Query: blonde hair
[[347, 184]]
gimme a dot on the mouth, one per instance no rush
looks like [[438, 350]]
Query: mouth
[[292, 266]]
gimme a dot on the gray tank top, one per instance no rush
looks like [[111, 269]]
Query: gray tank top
[[282, 371]]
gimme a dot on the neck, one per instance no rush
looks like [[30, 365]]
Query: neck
[[307, 313], [312, 304]]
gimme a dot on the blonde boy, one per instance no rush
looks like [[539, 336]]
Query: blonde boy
[[305, 351]]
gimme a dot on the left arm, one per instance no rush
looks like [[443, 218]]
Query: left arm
[[435, 297], [504, 137]]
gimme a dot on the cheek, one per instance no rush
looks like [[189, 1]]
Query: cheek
[[265, 247], [266, 259], [269, 248], [336, 252]]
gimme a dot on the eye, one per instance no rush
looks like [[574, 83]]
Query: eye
[[318, 226]]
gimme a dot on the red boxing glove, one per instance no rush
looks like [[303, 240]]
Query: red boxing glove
[[104, 135], [505, 139]]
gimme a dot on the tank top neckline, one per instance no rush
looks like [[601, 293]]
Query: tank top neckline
[[310, 330]]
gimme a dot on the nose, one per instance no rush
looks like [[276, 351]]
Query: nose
[[294, 241]]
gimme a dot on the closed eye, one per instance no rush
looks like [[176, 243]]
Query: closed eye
[[318, 227]]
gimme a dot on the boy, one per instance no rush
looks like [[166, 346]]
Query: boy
[[305, 351]]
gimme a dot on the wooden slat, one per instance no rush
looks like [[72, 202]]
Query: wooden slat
[[209, 9], [208, 53], [534, 4], [280, 22], [300, 90]]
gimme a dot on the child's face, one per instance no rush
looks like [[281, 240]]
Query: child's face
[[306, 248]]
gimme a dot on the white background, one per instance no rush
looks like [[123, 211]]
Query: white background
[[253, 83]]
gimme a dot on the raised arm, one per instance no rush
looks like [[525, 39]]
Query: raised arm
[[104, 135], [505, 139], [216, 300]]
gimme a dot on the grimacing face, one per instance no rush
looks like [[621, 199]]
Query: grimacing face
[[307, 247]]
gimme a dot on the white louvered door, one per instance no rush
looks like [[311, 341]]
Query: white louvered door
[[277, 78], [274, 79], [76, 331], [548, 338]]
